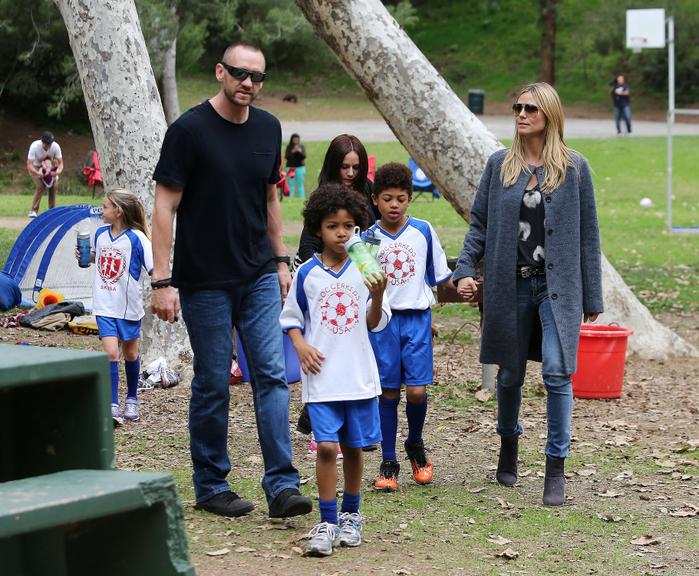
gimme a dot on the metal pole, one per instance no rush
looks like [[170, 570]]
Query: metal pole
[[670, 112]]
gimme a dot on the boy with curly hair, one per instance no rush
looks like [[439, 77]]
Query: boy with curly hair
[[327, 314]]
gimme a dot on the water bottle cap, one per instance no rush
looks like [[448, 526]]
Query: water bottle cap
[[355, 239], [83, 234]]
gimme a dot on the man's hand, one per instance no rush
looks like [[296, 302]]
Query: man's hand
[[165, 304], [284, 279], [466, 287], [591, 317]]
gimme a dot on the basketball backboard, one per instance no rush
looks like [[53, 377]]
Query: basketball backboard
[[645, 28]]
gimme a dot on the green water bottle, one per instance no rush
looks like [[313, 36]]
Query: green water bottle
[[361, 256], [372, 243]]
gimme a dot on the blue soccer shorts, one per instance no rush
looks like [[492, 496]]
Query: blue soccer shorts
[[354, 423], [403, 349], [124, 330]]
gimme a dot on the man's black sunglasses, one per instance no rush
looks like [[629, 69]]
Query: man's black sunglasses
[[241, 73]]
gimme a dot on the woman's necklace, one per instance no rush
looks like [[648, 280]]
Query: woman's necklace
[[332, 266]]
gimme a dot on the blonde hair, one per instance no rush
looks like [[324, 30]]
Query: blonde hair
[[132, 211], [557, 156]]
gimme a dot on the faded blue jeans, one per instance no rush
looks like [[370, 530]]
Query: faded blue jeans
[[625, 112], [533, 305], [210, 315]]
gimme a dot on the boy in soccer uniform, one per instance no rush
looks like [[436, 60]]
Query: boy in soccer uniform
[[414, 262], [328, 312]]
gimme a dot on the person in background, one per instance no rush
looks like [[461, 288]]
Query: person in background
[[45, 149], [295, 156], [622, 104], [535, 222]]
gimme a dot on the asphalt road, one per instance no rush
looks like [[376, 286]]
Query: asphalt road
[[500, 126]]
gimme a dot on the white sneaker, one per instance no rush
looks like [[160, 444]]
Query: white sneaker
[[322, 538], [131, 411], [32, 214], [117, 419], [350, 529]]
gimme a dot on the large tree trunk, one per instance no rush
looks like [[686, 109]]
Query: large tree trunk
[[549, 12], [126, 117], [171, 102], [442, 135]]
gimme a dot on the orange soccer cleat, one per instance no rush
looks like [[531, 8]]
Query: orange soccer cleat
[[388, 476], [422, 467]]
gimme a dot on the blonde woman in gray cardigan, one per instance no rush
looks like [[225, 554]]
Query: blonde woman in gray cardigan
[[534, 222]]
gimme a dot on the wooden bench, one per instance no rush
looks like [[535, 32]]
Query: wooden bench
[[105, 522]]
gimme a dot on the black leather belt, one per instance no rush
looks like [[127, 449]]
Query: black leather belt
[[529, 271]]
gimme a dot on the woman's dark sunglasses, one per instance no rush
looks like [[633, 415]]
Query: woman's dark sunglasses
[[528, 108], [241, 73]]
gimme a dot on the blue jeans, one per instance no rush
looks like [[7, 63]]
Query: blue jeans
[[210, 315], [533, 305], [296, 184], [626, 113]]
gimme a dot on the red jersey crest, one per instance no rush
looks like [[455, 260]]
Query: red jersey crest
[[339, 310], [110, 265]]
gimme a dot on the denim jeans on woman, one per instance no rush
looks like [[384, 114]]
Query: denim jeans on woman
[[254, 309], [533, 305]]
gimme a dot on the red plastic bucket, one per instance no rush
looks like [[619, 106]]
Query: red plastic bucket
[[601, 359]]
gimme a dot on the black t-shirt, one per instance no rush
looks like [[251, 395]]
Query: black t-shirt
[[224, 169], [619, 100], [295, 159], [530, 247]]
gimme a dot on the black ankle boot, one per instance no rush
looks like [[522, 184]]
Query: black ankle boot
[[554, 482], [507, 461]]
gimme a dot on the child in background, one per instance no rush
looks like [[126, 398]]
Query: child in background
[[122, 249], [327, 314], [414, 262]]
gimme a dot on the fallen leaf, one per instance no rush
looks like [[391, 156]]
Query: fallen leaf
[[402, 571], [666, 464], [610, 518], [658, 566], [586, 472], [508, 554], [609, 494], [477, 490], [483, 395], [499, 540], [221, 552], [241, 549], [646, 540], [297, 550], [687, 511], [503, 503], [305, 480]]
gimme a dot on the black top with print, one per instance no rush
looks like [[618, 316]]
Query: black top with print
[[530, 247]]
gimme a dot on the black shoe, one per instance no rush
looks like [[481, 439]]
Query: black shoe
[[554, 482], [226, 504], [304, 423], [290, 502], [507, 461]]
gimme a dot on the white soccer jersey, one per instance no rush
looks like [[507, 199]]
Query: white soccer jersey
[[414, 261], [117, 291], [37, 154], [330, 308]]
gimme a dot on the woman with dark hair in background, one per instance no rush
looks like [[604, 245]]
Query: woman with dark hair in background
[[295, 156], [346, 162]]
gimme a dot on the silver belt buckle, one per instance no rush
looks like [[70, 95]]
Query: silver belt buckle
[[527, 271]]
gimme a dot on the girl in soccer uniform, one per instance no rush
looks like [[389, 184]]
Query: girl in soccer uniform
[[122, 250], [412, 257], [327, 314]]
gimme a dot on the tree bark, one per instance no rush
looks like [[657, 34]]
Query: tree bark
[[549, 13], [126, 116], [443, 136], [171, 101]]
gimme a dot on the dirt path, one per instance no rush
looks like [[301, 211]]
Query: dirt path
[[13, 222], [634, 463]]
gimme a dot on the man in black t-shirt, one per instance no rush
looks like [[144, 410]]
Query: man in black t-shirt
[[217, 172]]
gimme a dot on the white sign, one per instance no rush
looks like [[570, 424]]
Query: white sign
[[645, 28]]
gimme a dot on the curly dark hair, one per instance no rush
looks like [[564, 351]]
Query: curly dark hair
[[393, 175], [328, 199]]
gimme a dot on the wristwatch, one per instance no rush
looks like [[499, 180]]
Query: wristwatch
[[285, 259]]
